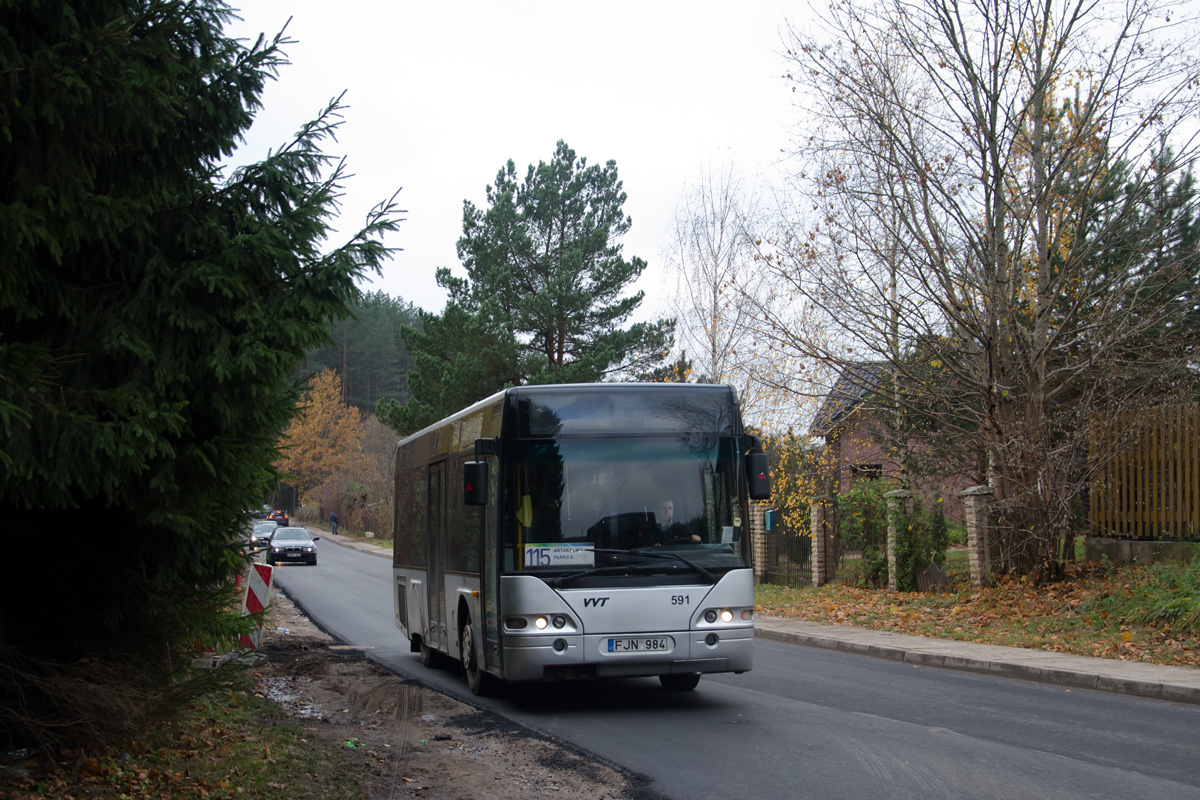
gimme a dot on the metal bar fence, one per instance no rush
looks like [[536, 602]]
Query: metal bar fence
[[788, 556]]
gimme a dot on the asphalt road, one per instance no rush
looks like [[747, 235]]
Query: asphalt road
[[809, 722]]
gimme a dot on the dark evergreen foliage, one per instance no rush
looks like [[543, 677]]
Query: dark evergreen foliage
[[457, 360], [681, 370], [153, 313], [368, 352], [544, 298]]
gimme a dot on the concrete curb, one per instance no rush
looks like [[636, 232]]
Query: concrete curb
[[1175, 684]]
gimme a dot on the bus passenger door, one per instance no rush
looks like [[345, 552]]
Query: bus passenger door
[[436, 584]]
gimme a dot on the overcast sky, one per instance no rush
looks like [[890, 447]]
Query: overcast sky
[[441, 95]]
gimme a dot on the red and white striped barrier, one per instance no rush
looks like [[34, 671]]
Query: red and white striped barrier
[[258, 597]]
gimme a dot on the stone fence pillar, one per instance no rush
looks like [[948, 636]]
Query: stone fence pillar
[[824, 544], [899, 506], [758, 539], [977, 505]]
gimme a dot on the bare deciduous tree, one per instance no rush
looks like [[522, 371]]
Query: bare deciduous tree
[[710, 257], [719, 293], [976, 211]]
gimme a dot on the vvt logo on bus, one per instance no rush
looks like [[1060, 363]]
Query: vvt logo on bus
[[594, 601]]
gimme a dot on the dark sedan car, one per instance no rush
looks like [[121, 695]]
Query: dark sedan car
[[260, 532], [292, 545], [279, 517]]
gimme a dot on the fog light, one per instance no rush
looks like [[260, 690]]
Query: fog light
[[726, 616], [711, 640], [560, 645], [540, 623], [710, 616], [559, 621]]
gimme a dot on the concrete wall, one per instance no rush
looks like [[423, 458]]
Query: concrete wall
[[1139, 551]]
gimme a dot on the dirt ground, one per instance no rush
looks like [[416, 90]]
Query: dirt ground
[[415, 741]]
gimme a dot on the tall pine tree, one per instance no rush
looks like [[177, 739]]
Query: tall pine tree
[[545, 296], [153, 313], [367, 351]]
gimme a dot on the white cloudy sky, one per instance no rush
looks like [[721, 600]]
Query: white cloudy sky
[[441, 95]]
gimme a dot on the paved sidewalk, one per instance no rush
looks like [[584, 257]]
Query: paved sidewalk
[[1179, 684]]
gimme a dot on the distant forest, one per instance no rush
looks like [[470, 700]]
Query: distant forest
[[368, 353]]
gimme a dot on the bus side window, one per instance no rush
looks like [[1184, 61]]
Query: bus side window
[[419, 515], [464, 527]]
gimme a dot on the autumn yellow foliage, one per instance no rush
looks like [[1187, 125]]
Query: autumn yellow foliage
[[324, 436]]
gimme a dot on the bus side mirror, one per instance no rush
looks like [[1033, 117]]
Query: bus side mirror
[[475, 483], [757, 473]]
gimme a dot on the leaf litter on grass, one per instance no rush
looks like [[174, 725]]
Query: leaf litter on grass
[[1103, 610]]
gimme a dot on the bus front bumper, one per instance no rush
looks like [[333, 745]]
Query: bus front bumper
[[532, 658]]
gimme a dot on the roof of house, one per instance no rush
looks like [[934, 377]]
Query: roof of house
[[854, 384]]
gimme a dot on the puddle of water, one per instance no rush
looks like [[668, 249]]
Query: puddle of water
[[282, 691]]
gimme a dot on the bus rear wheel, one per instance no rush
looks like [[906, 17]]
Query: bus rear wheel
[[680, 683], [478, 680]]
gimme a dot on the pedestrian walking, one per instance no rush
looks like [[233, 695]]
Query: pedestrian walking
[[333, 523]]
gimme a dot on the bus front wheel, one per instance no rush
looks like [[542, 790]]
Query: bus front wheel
[[478, 680], [429, 657], [680, 683]]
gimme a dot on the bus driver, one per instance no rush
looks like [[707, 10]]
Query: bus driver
[[669, 529]]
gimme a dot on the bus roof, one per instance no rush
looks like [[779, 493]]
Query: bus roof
[[553, 410]]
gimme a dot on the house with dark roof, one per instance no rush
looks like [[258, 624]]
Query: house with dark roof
[[849, 422], [846, 421]]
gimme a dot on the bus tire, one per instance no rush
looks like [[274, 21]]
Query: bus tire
[[680, 683], [429, 657], [478, 680]]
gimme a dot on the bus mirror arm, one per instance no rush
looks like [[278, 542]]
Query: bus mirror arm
[[487, 447]]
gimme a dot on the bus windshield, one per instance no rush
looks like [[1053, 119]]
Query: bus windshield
[[617, 508]]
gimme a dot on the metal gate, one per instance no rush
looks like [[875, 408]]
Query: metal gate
[[788, 556]]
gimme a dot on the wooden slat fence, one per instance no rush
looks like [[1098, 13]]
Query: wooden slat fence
[[1147, 478]]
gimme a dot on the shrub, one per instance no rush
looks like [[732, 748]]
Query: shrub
[[862, 526], [956, 535], [923, 536]]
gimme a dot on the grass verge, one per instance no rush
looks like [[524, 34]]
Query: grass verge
[[231, 743], [1135, 613]]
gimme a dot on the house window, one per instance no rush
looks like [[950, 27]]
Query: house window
[[866, 472]]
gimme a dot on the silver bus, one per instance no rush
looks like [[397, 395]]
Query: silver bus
[[580, 531]]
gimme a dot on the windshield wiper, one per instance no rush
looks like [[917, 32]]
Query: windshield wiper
[[563, 580], [672, 554]]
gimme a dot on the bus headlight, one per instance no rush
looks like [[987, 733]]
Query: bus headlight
[[540, 623], [559, 621], [726, 615]]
